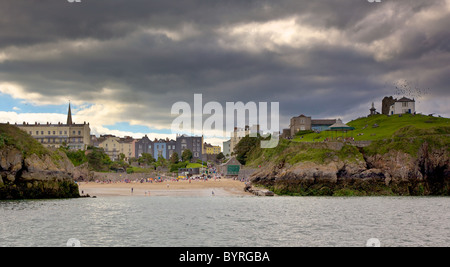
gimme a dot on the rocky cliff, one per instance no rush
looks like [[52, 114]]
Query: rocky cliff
[[27, 170], [35, 177], [396, 172]]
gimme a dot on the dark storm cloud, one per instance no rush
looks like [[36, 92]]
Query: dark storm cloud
[[155, 53]]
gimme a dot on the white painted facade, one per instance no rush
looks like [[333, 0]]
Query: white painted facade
[[403, 106]]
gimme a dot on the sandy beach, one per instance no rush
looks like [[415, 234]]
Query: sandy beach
[[220, 187]]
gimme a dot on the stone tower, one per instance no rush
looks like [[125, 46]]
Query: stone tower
[[386, 104]]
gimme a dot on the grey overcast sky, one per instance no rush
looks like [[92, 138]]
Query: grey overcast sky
[[123, 63]]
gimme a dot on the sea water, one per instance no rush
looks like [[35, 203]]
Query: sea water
[[227, 221]]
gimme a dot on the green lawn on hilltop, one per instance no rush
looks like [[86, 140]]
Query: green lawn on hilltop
[[380, 127], [406, 133]]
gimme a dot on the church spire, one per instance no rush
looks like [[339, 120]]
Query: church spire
[[69, 116]]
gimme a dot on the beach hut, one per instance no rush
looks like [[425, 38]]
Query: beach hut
[[339, 126]]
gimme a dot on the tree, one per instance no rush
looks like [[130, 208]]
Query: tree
[[146, 158], [161, 162], [77, 157], [244, 146], [176, 166], [174, 158], [220, 156], [98, 160], [186, 155]]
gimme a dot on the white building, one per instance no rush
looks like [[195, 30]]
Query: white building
[[403, 105]]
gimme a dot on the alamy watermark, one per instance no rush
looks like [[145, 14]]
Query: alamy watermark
[[73, 242], [213, 126], [373, 242]]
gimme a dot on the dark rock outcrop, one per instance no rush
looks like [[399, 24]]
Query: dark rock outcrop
[[394, 173], [46, 176]]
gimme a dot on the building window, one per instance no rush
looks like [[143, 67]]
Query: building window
[[42, 132], [65, 132], [79, 132], [60, 132], [404, 104], [54, 132]]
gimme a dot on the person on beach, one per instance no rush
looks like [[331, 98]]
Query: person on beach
[[132, 190]]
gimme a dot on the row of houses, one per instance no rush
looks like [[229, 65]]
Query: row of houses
[[135, 148], [78, 137]]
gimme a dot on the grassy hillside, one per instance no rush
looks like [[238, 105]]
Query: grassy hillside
[[11, 135], [382, 127], [294, 152], [39, 183], [406, 133]]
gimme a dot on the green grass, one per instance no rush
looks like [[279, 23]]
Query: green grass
[[194, 165], [11, 135], [408, 145], [406, 133], [294, 152], [133, 169], [388, 127]]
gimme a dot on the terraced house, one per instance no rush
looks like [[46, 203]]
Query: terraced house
[[143, 145], [211, 150], [193, 143], [114, 146]]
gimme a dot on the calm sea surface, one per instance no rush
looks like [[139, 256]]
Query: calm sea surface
[[226, 221]]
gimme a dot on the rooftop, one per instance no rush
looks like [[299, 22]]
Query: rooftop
[[404, 99]]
